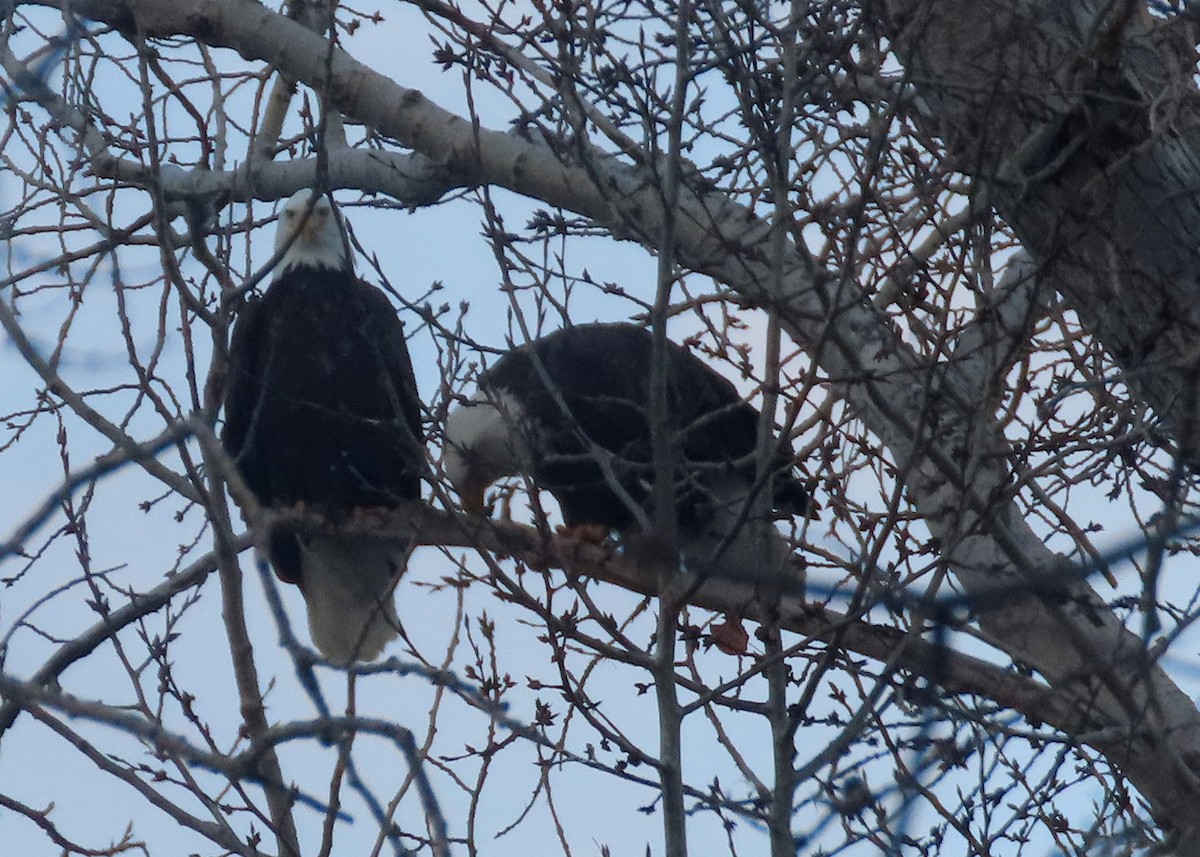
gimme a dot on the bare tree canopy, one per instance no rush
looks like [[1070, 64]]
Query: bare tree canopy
[[945, 249]]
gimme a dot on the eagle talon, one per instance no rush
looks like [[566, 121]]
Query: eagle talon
[[595, 534], [371, 517]]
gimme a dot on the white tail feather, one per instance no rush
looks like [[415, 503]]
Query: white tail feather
[[756, 550], [348, 584], [743, 557]]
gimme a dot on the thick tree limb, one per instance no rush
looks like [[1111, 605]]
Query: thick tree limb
[[952, 672], [1084, 132]]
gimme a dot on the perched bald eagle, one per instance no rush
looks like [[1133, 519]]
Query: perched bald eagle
[[322, 414], [569, 411]]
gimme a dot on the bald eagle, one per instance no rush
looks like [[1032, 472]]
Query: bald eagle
[[569, 411], [322, 415]]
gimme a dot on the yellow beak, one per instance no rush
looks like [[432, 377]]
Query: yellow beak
[[472, 498], [308, 232]]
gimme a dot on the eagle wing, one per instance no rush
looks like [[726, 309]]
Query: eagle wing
[[243, 377], [388, 333]]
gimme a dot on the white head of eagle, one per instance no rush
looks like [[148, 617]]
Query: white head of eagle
[[484, 442], [309, 234]]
